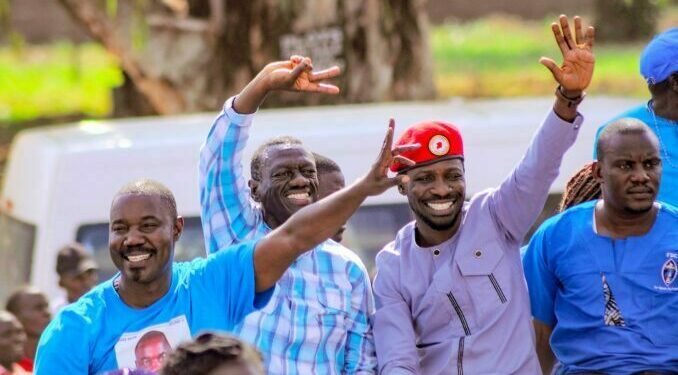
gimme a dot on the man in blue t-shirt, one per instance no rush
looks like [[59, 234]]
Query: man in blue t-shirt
[[659, 67], [602, 275], [153, 304]]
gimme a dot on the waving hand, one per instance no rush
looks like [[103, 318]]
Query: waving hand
[[574, 75]]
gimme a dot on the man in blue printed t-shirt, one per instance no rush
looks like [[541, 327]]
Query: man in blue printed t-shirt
[[659, 67], [153, 298], [602, 276]]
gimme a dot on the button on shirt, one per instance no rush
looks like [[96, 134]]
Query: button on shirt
[[469, 314], [318, 320], [573, 274]]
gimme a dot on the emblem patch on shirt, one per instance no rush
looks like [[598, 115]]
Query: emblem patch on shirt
[[669, 271], [147, 348], [439, 145]]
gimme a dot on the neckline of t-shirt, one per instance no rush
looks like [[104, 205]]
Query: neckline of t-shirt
[[594, 226], [158, 304]]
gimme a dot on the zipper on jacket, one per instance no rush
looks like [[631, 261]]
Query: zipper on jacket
[[497, 288]]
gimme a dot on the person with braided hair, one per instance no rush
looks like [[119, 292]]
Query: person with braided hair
[[581, 187], [602, 275]]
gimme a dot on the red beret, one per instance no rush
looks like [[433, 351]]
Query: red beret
[[437, 139]]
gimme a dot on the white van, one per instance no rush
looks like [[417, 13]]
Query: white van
[[60, 180]]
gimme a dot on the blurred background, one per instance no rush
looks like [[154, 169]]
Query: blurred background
[[65, 60]]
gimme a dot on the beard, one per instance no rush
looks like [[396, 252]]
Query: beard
[[447, 223]]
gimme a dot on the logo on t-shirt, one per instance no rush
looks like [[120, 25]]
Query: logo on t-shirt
[[146, 349], [669, 271]]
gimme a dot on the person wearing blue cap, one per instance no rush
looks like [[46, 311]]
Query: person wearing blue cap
[[659, 67]]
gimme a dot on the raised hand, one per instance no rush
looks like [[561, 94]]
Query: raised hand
[[574, 76], [376, 181], [296, 74]]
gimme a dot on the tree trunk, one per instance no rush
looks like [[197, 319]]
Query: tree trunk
[[189, 55], [625, 20]]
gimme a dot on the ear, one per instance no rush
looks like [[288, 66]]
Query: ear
[[178, 228], [596, 172], [401, 188], [254, 190], [673, 82]]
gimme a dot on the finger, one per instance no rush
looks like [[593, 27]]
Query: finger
[[590, 36], [296, 72], [402, 178], [397, 150], [552, 66], [325, 74], [559, 38], [388, 140], [296, 59], [322, 88], [579, 36], [567, 33], [403, 160]]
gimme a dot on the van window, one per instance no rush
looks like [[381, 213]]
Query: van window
[[95, 238], [369, 229], [16, 253], [372, 227]]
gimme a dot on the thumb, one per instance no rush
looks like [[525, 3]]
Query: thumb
[[552, 66], [296, 72]]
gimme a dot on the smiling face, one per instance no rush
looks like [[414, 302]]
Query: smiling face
[[289, 182], [436, 193], [630, 171], [142, 236]]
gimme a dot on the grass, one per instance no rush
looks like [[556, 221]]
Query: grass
[[492, 57], [499, 56], [56, 80]]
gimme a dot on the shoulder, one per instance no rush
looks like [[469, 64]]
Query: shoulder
[[669, 213], [640, 112], [343, 257], [571, 218], [78, 316], [391, 254]]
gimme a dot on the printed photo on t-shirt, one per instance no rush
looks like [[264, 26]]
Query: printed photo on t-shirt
[[146, 349]]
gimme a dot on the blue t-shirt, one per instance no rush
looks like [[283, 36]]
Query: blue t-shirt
[[612, 303], [100, 332], [667, 133]]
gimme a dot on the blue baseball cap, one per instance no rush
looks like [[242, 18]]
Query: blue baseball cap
[[660, 57]]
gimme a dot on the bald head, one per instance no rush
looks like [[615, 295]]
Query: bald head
[[622, 127], [150, 188]]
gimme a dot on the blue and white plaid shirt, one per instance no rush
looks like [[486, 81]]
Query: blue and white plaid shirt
[[319, 318]]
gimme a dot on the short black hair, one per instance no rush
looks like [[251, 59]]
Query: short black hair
[[258, 157], [323, 164], [12, 304], [208, 352], [150, 187], [622, 126]]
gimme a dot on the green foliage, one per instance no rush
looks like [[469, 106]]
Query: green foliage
[[56, 80], [499, 56]]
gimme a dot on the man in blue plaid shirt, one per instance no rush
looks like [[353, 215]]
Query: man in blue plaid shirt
[[318, 320]]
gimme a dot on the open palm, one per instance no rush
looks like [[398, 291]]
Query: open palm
[[578, 60]]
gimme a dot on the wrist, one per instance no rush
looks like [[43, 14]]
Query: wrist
[[571, 98]]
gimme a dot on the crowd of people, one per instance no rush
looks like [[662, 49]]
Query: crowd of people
[[593, 292]]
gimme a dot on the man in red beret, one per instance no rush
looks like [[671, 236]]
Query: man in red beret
[[450, 292]]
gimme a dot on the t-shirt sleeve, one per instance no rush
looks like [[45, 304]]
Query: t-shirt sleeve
[[541, 281], [63, 347], [230, 275]]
